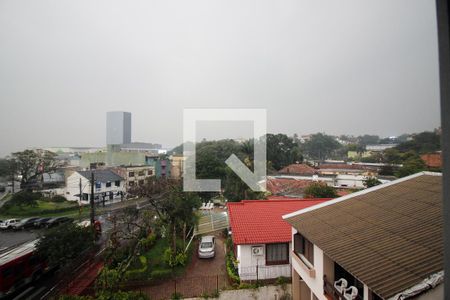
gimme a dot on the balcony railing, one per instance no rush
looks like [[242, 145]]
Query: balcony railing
[[332, 293], [304, 264]]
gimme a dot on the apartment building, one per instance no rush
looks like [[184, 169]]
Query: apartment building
[[385, 242]]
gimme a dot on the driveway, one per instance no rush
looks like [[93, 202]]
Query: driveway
[[202, 277], [210, 266]]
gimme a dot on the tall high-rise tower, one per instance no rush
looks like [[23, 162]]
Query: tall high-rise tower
[[118, 128]]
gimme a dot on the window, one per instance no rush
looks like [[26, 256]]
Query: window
[[277, 254], [130, 174], [108, 184], [98, 185], [141, 173], [131, 183], [150, 172], [141, 182], [117, 183], [304, 247]]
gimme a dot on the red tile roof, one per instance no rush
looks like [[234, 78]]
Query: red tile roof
[[287, 186], [298, 169], [260, 221], [432, 160]]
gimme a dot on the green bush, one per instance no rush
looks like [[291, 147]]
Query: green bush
[[148, 242], [138, 274], [282, 280], [231, 268], [173, 260], [58, 199], [160, 274], [24, 198]]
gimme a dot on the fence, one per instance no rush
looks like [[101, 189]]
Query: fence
[[188, 287], [253, 273]]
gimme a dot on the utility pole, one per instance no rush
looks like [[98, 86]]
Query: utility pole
[[12, 180], [92, 199], [79, 203]]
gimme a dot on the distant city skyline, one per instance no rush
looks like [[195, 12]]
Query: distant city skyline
[[352, 68]]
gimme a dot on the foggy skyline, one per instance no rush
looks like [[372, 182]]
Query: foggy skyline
[[347, 67]]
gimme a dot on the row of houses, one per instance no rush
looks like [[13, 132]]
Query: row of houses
[[385, 242]]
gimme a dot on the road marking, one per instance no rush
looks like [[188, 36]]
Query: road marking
[[24, 293]]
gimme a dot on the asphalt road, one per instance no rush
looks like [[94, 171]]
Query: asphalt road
[[9, 238]]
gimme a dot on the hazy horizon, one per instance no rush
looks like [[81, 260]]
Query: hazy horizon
[[348, 67]]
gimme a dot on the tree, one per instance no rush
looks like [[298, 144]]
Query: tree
[[392, 156], [320, 146], [237, 190], [32, 163], [423, 142], [24, 198], [411, 165], [371, 181], [367, 139], [282, 150], [62, 244], [320, 190], [174, 208]]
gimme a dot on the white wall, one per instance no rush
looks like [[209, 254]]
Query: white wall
[[73, 188], [353, 181], [314, 283], [268, 292], [248, 262]]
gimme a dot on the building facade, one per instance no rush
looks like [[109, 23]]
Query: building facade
[[118, 128], [385, 242], [109, 187], [261, 239], [135, 175]]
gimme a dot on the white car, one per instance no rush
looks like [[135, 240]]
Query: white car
[[8, 224], [206, 248]]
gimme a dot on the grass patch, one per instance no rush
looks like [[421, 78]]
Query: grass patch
[[43, 208], [157, 268]]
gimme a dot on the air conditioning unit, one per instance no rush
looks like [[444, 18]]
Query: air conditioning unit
[[257, 250]]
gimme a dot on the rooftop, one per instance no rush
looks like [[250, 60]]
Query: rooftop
[[390, 236], [302, 169], [432, 160], [287, 186], [101, 175], [260, 221]]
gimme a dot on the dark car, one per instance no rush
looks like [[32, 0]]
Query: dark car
[[57, 221], [38, 223], [24, 223]]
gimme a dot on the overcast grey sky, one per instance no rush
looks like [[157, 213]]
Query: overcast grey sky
[[338, 67]]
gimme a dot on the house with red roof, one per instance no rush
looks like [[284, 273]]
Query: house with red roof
[[261, 238]]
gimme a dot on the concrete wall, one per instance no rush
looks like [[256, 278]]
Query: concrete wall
[[271, 292], [121, 158], [248, 262]]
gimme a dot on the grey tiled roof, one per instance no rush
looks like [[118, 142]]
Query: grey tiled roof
[[101, 175]]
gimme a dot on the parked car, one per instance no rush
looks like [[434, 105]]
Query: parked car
[[58, 221], [8, 224], [206, 248], [40, 222], [24, 223]]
